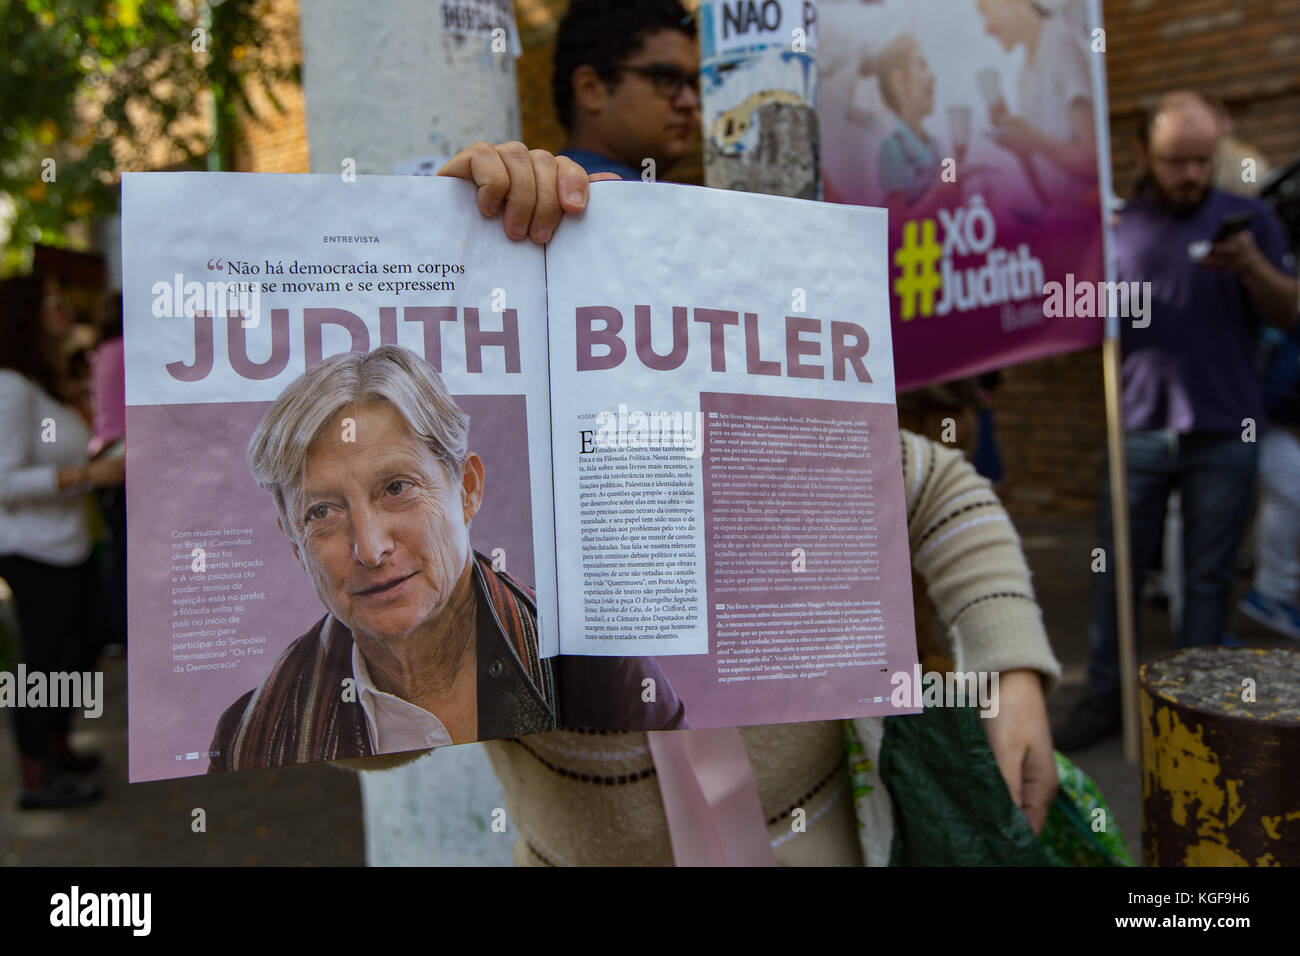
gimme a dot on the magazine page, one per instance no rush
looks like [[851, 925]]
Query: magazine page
[[731, 535], [339, 477]]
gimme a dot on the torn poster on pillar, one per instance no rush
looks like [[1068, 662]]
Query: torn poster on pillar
[[750, 24], [483, 18]]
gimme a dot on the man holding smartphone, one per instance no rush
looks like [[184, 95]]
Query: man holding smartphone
[[1217, 266]]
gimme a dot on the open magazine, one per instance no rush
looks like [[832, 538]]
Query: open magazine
[[397, 482]]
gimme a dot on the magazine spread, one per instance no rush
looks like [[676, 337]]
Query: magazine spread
[[397, 482]]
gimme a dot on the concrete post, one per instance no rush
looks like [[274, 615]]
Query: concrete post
[[386, 85], [759, 96], [400, 87]]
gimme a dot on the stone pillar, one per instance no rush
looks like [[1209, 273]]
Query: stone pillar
[[400, 87], [387, 86], [759, 96]]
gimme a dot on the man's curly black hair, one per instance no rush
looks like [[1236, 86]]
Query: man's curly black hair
[[603, 34]]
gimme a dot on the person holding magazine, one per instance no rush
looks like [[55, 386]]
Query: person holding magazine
[[584, 799], [664, 531], [45, 537]]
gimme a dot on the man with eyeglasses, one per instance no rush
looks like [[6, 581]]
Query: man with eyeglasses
[[626, 85], [1218, 267]]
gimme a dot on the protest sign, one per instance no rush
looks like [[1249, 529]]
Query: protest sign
[[986, 141]]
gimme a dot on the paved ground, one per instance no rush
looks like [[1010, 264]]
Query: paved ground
[[312, 815], [296, 816]]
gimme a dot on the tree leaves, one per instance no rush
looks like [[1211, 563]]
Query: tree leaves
[[102, 87]]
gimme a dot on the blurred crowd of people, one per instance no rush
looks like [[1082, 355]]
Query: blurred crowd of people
[[62, 514]]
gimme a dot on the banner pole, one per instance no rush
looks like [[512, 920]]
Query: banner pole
[[1123, 558], [1112, 360]]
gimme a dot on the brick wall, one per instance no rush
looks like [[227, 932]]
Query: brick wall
[[541, 127], [275, 141], [1247, 53], [1050, 418]]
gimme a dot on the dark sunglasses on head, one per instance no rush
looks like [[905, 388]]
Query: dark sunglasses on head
[[668, 79]]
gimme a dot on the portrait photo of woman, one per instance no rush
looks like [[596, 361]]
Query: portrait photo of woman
[[422, 644]]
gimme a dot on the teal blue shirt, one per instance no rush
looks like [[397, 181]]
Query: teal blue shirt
[[908, 164]]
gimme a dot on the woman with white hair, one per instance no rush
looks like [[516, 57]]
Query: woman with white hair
[[910, 160], [909, 157], [366, 458]]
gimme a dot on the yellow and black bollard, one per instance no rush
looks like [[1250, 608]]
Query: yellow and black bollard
[[1220, 748]]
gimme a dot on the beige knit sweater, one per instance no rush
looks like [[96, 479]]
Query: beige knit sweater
[[593, 798]]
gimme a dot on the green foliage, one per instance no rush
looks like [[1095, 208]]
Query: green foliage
[[99, 87]]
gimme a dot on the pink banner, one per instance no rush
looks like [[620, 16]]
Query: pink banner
[[979, 131]]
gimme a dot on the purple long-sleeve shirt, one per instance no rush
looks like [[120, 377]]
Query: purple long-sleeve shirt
[[1192, 369]]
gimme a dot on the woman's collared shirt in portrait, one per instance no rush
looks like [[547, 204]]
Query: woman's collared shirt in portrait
[[299, 714]]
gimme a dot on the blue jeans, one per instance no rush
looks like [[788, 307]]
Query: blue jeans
[[1215, 475]]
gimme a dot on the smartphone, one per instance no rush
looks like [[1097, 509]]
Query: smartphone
[[1232, 224]]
